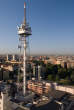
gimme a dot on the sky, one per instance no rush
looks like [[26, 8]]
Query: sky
[[52, 23]]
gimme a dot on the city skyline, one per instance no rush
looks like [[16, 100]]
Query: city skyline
[[52, 23]]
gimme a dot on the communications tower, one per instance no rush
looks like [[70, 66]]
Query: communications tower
[[24, 31]]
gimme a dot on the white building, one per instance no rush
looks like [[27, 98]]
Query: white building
[[1, 101], [4, 102]]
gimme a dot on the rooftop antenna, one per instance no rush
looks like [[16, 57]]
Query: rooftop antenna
[[24, 31]]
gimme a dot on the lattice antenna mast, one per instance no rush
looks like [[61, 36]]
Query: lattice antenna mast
[[24, 31]]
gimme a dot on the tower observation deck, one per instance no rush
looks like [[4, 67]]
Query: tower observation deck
[[24, 31]]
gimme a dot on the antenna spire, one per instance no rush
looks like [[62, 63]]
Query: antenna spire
[[24, 13]]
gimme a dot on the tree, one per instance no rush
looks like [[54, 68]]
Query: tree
[[50, 77], [72, 76], [57, 78], [62, 73]]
